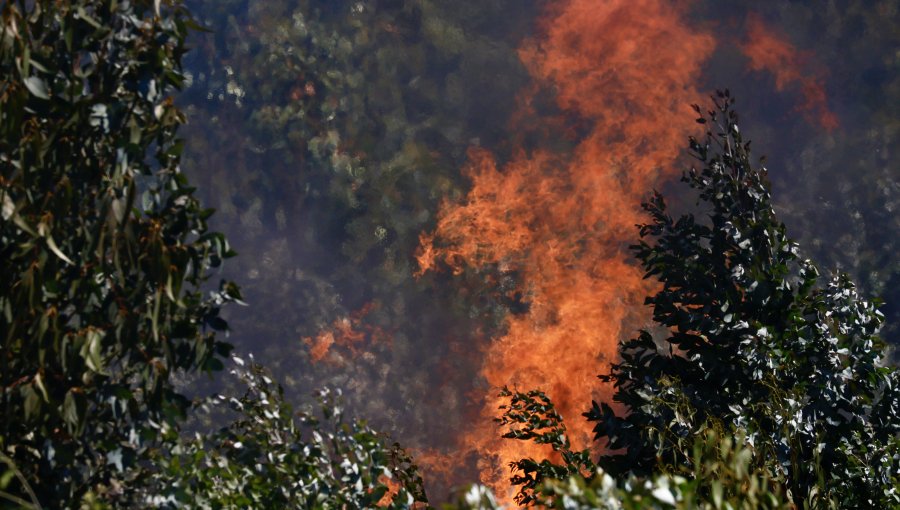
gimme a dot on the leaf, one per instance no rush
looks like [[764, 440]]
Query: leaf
[[38, 380], [37, 87], [169, 293], [91, 351], [21, 223], [73, 410], [52, 245], [115, 458], [99, 117], [83, 15], [8, 207], [6, 477], [32, 402], [717, 493]]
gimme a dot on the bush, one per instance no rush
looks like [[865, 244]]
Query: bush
[[271, 457]]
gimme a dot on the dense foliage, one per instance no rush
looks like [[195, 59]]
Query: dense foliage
[[838, 192], [758, 351], [272, 457], [718, 470], [757, 344], [103, 246]]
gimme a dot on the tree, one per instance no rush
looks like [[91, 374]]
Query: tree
[[721, 477], [757, 343], [721, 472], [271, 457], [783, 370], [103, 247]]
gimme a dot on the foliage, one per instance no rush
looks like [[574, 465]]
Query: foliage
[[837, 192], [336, 165], [721, 472], [271, 457], [103, 246], [757, 343], [11, 472], [721, 478], [532, 416]]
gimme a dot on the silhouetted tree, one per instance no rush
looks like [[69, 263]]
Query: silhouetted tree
[[761, 356], [757, 342]]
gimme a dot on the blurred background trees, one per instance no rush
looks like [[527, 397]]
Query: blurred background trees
[[343, 125]]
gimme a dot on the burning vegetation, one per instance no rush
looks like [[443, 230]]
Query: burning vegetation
[[562, 220], [439, 200]]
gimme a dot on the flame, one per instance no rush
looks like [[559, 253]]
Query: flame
[[626, 70], [771, 51], [393, 488], [350, 333]]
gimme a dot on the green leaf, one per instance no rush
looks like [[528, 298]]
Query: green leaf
[[717, 489], [38, 380], [37, 87], [6, 477], [56, 251], [91, 350], [74, 406], [32, 402]]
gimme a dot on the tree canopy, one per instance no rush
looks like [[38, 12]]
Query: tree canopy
[[103, 247], [752, 344]]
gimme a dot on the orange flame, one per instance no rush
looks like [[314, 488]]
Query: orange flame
[[350, 333], [771, 51], [393, 488], [626, 69]]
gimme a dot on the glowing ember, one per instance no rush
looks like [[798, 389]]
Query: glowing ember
[[393, 487], [772, 52], [350, 333], [626, 69]]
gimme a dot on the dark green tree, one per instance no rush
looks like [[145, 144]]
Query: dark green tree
[[721, 472], [103, 247], [760, 356], [756, 342]]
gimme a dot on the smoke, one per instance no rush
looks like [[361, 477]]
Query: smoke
[[771, 51]]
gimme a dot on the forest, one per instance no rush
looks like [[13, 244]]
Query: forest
[[468, 254]]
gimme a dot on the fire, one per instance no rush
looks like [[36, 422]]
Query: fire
[[393, 488], [623, 75], [351, 333], [626, 70], [771, 51]]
